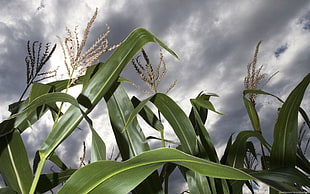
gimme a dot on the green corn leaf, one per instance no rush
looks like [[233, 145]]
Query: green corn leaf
[[302, 162], [282, 179], [260, 92], [207, 150], [107, 175], [206, 104], [284, 148], [61, 85], [46, 99], [184, 130], [53, 158], [49, 181], [179, 122], [14, 163], [23, 121], [251, 108], [56, 160], [237, 150], [99, 84], [301, 111], [252, 114], [129, 136], [98, 149], [130, 139], [224, 159], [196, 119], [37, 89], [147, 114], [196, 182], [97, 87], [7, 190]]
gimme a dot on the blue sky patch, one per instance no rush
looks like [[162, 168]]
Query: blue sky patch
[[280, 50]]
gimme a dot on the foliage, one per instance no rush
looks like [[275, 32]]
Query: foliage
[[284, 168]]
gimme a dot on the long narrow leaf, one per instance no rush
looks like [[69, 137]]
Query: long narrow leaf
[[131, 140], [178, 121], [237, 151], [283, 153], [99, 85], [147, 114], [129, 136], [14, 163], [282, 179], [107, 175], [252, 114], [184, 130]]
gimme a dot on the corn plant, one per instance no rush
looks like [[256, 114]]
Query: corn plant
[[139, 169]]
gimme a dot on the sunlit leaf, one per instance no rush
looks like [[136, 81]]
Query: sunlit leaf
[[106, 175], [14, 163]]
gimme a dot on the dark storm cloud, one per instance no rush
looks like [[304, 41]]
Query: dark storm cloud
[[215, 40]]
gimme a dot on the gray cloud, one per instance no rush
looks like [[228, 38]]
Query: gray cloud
[[214, 40]]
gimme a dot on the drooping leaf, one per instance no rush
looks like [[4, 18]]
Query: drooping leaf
[[282, 179], [198, 117], [147, 114], [237, 150], [99, 84], [97, 87], [106, 175]]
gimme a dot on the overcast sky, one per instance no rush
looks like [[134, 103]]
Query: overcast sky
[[215, 40]]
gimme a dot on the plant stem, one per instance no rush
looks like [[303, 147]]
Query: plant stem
[[37, 175], [162, 133], [66, 91]]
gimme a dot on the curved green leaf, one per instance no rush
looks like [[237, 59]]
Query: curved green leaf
[[147, 114], [98, 148], [282, 179], [252, 114], [237, 150], [99, 84], [106, 176], [129, 135], [14, 163], [96, 88], [206, 149], [206, 104], [179, 122], [284, 148], [46, 99]]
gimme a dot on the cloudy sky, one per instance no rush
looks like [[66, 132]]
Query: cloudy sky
[[215, 40]]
